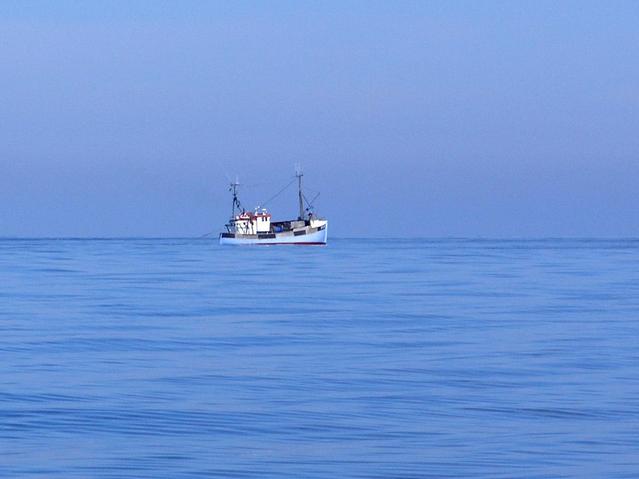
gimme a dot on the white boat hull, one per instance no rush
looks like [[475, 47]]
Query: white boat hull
[[302, 236]]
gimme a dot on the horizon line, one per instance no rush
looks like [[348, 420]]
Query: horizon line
[[395, 238]]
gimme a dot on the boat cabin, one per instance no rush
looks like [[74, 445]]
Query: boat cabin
[[251, 223]]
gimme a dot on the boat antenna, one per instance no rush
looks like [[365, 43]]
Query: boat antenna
[[299, 174]]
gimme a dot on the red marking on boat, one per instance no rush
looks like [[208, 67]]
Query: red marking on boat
[[298, 244]]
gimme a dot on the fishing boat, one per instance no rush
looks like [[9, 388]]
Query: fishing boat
[[256, 227]]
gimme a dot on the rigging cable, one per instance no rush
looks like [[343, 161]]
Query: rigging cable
[[310, 203], [278, 193]]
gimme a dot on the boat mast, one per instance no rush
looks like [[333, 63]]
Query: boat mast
[[236, 202], [299, 174]]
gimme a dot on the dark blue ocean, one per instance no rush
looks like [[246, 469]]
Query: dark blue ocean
[[361, 359]]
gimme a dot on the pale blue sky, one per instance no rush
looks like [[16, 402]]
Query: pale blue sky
[[492, 119]]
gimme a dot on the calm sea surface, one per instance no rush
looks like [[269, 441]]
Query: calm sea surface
[[365, 358]]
